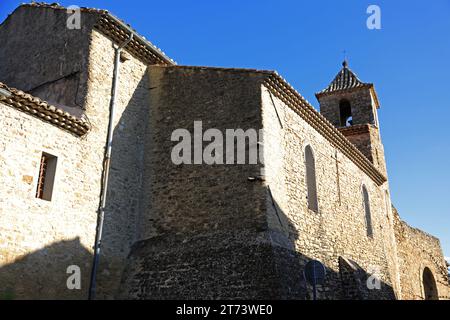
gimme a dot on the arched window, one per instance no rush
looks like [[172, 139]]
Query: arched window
[[367, 211], [429, 285], [345, 113], [311, 179]]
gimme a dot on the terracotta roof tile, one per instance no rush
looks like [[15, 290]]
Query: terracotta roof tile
[[41, 109], [286, 92], [355, 129], [346, 79]]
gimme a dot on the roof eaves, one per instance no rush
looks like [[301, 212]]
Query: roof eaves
[[118, 31], [285, 92], [224, 69], [41, 109], [327, 92]]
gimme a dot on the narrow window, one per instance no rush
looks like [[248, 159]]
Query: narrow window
[[386, 199], [345, 111], [374, 110], [367, 212], [311, 179], [45, 183]]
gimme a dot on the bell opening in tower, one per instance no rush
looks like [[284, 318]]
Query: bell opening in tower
[[345, 110]]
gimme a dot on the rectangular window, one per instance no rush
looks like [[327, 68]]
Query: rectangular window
[[46, 180]]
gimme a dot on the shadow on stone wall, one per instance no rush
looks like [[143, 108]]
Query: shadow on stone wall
[[214, 233], [258, 262], [347, 283], [251, 264], [42, 274], [124, 189]]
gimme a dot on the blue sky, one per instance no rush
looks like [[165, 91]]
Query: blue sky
[[408, 60]]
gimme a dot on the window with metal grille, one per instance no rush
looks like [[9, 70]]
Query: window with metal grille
[[46, 179]]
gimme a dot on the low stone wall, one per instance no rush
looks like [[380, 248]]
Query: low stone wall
[[418, 250], [214, 266]]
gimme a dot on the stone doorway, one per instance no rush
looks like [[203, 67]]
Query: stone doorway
[[429, 285]]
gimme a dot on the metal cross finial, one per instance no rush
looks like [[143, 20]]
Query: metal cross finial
[[345, 63]]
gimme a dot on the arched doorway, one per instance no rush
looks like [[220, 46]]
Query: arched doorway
[[429, 285]]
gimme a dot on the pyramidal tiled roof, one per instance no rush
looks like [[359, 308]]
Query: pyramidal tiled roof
[[344, 80]]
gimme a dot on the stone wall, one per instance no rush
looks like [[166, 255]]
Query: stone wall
[[361, 101], [32, 228], [201, 223], [364, 113], [339, 229], [122, 213], [418, 250], [268, 213], [189, 231], [368, 140], [176, 200], [40, 239], [40, 55]]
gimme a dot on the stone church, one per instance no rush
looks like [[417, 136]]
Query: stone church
[[88, 188]]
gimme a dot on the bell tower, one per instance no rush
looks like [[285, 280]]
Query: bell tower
[[351, 106]]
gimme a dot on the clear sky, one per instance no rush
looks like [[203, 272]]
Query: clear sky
[[408, 60]]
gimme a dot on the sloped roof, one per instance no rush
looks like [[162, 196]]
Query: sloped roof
[[41, 109], [345, 80], [286, 93], [118, 31]]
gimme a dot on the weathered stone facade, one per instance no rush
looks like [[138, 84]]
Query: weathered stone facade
[[293, 233], [364, 131], [40, 239], [417, 251], [80, 160], [188, 231], [209, 219]]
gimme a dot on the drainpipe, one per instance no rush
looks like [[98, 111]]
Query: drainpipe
[[106, 166]]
